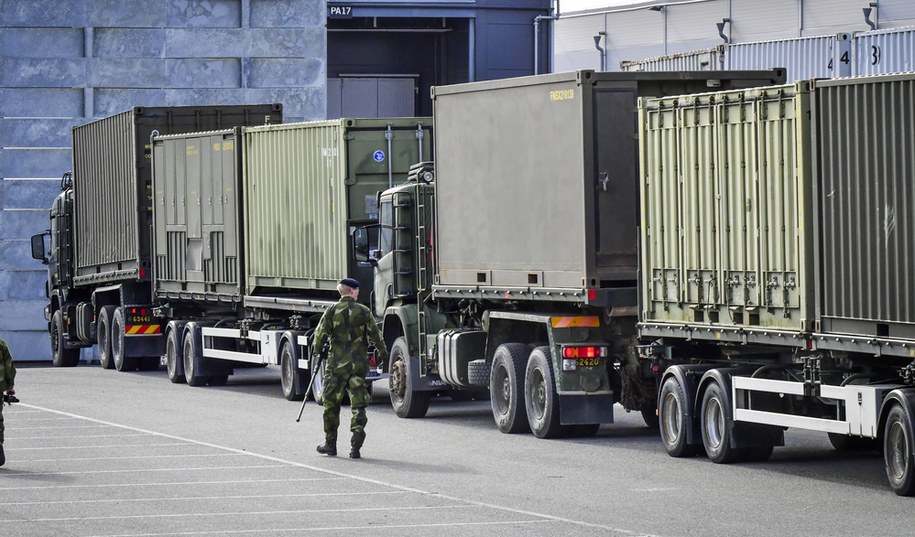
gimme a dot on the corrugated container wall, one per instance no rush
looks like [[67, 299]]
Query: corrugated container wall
[[726, 210], [825, 56], [699, 60], [196, 186], [865, 164], [307, 185], [885, 51], [112, 182]]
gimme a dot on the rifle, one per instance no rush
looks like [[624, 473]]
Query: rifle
[[322, 356]]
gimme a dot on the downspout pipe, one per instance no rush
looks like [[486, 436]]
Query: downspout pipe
[[537, 19]]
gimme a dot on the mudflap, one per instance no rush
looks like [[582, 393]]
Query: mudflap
[[146, 345], [585, 409]]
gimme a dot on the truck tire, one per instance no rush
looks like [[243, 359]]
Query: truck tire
[[292, 380], [122, 362], [192, 359], [541, 402], [478, 373], [407, 402], [898, 455], [506, 384], [174, 357], [61, 356], [103, 335], [716, 435], [673, 420]]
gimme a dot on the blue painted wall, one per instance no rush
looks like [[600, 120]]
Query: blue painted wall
[[65, 62]]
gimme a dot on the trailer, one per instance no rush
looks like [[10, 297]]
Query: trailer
[[776, 268], [99, 255], [251, 237], [509, 266]]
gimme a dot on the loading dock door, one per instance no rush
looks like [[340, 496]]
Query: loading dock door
[[368, 97]]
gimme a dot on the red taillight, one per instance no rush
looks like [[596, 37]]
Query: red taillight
[[143, 311], [133, 311], [142, 273], [583, 352], [592, 295]]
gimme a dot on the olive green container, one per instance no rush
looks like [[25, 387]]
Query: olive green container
[[308, 185], [726, 212]]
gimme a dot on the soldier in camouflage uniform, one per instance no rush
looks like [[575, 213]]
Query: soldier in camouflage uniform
[[7, 376], [350, 327]]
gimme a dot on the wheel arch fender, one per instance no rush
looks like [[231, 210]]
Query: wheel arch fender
[[723, 377]]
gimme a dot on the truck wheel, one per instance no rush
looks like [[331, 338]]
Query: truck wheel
[[192, 360], [61, 356], [407, 402], [716, 436], [103, 334], [673, 419], [122, 362], [478, 373], [292, 380], [174, 357], [897, 451], [540, 398], [506, 382], [317, 388]]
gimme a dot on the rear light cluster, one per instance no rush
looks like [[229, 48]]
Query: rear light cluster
[[138, 311], [587, 356]]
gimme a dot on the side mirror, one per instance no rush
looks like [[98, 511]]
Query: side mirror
[[365, 244], [39, 251]]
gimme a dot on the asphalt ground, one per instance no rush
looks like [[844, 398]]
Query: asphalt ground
[[99, 453]]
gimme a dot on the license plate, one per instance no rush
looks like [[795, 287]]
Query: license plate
[[587, 362]]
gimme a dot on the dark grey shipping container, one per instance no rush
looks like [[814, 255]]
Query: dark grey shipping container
[[865, 165], [548, 160], [197, 196], [112, 182]]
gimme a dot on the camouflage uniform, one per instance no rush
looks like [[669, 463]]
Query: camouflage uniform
[[350, 326], [7, 376]]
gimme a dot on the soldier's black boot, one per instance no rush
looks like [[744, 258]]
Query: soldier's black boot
[[354, 453], [2, 456], [327, 449]]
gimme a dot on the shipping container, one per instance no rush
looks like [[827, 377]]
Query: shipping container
[[112, 183], [711, 59], [197, 186], [557, 156], [825, 56], [885, 51], [306, 185], [865, 165], [726, 209]]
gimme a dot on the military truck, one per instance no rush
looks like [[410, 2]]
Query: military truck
[[100, 253], [510, 265]]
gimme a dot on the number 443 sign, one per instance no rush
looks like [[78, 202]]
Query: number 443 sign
[[339, 12]]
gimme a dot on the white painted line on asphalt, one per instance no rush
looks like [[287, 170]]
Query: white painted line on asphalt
[[56, 436], [203, 498], [94, 447], [372, 528], [541, 516], [140, 471], [171, 484], [241, 513], [64, 427], [43, 419], [133, 457]]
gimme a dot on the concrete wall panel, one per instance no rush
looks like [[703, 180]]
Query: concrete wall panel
[[286, 73], [29, 194], [208, 73], [288, 13], [43, 13], [41, 42], [40, 103], [26, 285], [127, 13], [42, 72], [31, 344], [204, 13], [128, 73], [34, 133], [32, 162], [128, 43], [22, 223]]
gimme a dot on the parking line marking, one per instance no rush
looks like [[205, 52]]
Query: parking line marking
[[541, 516], [203, 498], [240, 513], [199, 468], [169, 484], [134, 457], [56, 436], [95, 447]]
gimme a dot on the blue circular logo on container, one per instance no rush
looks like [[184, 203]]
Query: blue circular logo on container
[[378, 156]]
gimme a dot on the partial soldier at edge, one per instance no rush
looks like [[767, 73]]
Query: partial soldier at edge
[[350, 327], [7, 378]]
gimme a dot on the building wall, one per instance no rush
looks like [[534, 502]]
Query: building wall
[[637, 32], [65, 62]]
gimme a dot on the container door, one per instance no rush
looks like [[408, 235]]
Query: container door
[[615, 187]]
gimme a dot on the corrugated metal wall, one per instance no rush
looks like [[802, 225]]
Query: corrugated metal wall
[[885, 51]]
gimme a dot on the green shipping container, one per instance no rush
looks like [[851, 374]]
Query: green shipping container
[[308, 185], [726, 214]]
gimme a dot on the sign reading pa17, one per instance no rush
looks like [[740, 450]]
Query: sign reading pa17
[[339, 11]]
